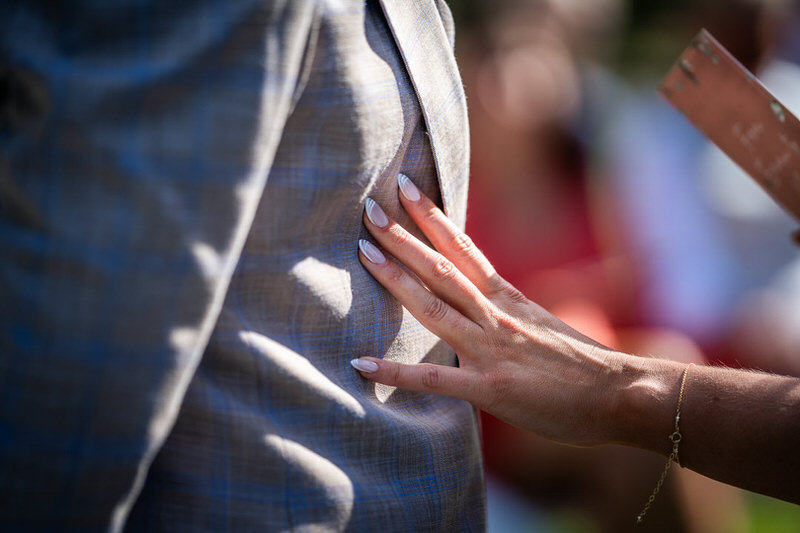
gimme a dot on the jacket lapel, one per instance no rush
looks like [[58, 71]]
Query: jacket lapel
[[423, 42]]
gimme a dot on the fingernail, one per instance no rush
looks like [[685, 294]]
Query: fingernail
[[375, 213], [408, 188], [363, 365], [371, 252]]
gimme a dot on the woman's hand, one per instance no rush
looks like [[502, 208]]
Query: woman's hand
[[516, 361], [526, 367]]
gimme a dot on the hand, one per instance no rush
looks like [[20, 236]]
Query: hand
[[516, 361]]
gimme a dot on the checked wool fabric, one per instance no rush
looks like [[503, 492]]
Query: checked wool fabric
[[181, 192]]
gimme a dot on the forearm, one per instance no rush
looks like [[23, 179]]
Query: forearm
[[738, 426]]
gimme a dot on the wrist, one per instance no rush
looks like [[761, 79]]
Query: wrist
[[646, 398]]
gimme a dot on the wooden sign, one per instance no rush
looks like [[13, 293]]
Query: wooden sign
[[738, 114]]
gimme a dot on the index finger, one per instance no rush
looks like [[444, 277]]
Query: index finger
[[448, 238]]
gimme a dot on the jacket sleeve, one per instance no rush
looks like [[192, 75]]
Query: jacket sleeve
[[135, 141]]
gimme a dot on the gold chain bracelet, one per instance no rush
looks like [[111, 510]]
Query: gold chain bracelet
[[675, 438]]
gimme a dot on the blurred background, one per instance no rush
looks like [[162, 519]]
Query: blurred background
[[603, 204]]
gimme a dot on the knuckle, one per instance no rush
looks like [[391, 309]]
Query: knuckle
[[513, 294], [399, 235], [497, 384], [431, 214], [504, 332], [502, 320], [497, 285], [396, 274], [394, 375], [431, 377], [435, 308], [464, 244], [443, 268]]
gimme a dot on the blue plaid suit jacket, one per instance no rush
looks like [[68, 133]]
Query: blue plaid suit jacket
[[181, 190]]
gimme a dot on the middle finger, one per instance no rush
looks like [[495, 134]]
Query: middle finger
[[437, 272]]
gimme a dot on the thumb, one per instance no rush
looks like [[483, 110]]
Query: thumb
[[423, 377]]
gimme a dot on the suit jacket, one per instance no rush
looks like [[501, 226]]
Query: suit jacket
[[182, 187]]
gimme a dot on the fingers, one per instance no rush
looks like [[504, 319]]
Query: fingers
[[435, 270], [424, 377], [449, 239], [435, 314]]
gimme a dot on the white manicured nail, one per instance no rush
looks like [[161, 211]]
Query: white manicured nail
[[376, 214], [363, 365], [408, 188], [371, 252]]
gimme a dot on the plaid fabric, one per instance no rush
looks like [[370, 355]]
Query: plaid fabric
[[181, 189]]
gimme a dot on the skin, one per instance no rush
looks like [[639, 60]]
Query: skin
[[524, 366]]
